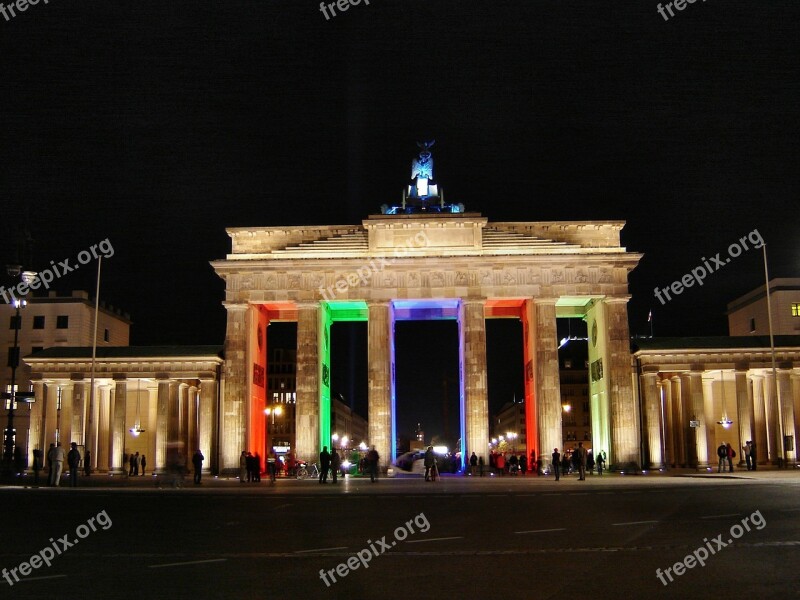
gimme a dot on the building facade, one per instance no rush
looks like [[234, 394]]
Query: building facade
[[51, 321], [146, 399], [698, 393], [748, 314]]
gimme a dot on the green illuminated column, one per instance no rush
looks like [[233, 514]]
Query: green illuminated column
[[308, 382], [380, 339], [326, 320]]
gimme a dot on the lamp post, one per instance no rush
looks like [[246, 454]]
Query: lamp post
[[28, 277], [777, 400]]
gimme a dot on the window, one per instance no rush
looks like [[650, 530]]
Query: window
[[796, 309], [752, 325], [13, 322], [62, 322], [106, 335], [567, 364], [38, 322]]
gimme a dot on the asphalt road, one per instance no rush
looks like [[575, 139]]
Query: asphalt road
[[461, 538]]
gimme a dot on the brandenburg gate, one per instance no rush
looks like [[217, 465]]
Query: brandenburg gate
[[425, 259]]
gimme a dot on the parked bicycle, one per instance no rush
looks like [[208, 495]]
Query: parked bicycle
[[304, 471]]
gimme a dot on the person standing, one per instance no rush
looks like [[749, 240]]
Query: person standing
[[37, 465], [473, 464], [243, 471], [87, 463], [746, 451], [58, 464], [336, 463], [429, 461], [500, 461], [480, 465], [557, 463], [125, 464], [250, 468], [73, 461], [564, 464], [731, 454], [532, 463], [581, 451], [257, 467], [722, 454], [523, 464], [753, 454], [143, 461], [324, 464], [372, 459], [197, 463], [600, 462], [50, 469], [272, 465], [590, 462]]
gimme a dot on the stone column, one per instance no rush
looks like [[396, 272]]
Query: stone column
[[679, 421], [78, 411], [235, 401], [771, 399], [548, 382], [182, 436], [625, 434], [380, 338], [744, 412], [162, 424], [710, 416], [118, 430], [696, 403], [669, 424], [208, 424], [308, 382], [65, 417], [49, 414], [476, 402], [37, 428], [193, 440], [103, 426], [652, 413], [760, 420], [787, 412]]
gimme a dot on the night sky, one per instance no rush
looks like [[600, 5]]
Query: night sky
[[158, 124]]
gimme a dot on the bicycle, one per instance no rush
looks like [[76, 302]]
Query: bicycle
[[303, 472]]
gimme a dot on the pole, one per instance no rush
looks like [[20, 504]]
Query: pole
[[777, 400], [9, 441], [90, 427]]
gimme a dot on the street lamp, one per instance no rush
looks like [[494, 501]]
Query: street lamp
[[28, 277], [277, 410], [513, 437]]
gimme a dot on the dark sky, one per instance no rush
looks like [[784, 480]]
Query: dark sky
[[158, 124]]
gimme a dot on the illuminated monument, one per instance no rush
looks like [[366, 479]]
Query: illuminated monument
[[425, 259]]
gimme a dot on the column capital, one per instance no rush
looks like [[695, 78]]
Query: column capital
[[307, 305], [235, 306], [617, 299]]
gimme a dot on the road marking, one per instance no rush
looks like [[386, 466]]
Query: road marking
[[320, 549], [720, 516], [635, 523], [527, 495], [457, 537], [43, 577], [578, 494], [193, 562], [606, 493], [542, 530]]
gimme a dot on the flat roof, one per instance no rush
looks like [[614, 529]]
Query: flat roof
[[63, 352], [713, 342]]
